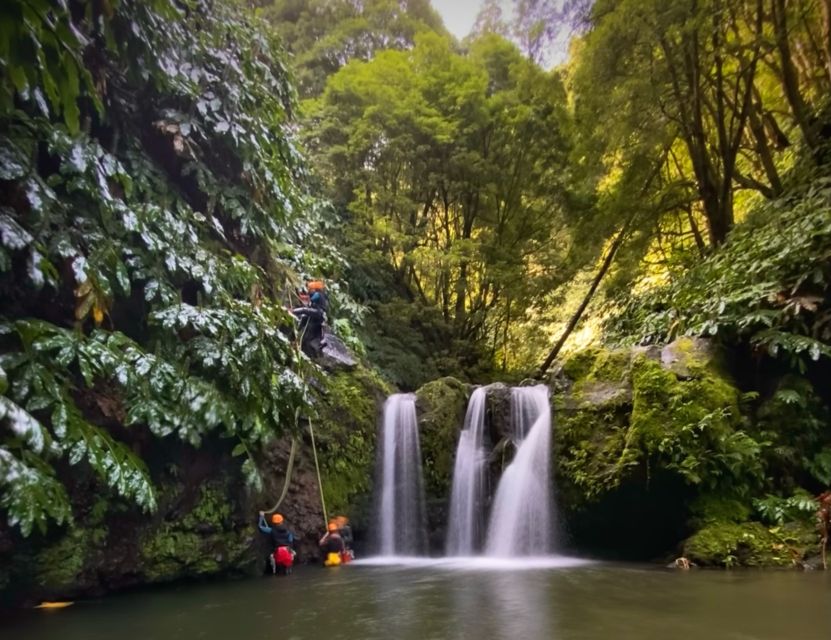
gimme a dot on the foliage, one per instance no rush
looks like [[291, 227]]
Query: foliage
[[150, 234], [777, 510], [346, 435], [767, 285], [449, 168], [324, 35]]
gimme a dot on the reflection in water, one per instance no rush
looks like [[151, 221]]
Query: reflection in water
[[447, 601]]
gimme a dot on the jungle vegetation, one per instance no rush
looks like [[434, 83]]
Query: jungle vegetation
[[171, 170]]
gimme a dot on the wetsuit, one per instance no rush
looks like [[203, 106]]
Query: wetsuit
[[346, 533], [332, 543], [279, 534]]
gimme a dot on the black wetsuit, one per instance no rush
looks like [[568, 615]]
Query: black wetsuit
[[281, 536], [346, 534], [333, 543]]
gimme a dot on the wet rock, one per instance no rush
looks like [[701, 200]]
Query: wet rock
[[440, 406], [335, 354], [498, 413]]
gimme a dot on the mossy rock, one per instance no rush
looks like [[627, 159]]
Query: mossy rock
[[750, 544], [441, 406], [628, 411], [346, 432], [598, 364], [169, 553], [58, 566], [212, 511]]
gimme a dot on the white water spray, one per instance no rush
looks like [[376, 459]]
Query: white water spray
[[466, 527], [401, 509], [521, 517]]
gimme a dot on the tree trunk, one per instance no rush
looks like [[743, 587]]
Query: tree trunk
[[826, 35], [790, 79], [575, 318]]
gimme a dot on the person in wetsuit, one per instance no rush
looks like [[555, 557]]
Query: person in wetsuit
[[282, 541], [345, 532], [331, 544]]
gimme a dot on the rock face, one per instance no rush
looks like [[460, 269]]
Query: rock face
[[205, 524]]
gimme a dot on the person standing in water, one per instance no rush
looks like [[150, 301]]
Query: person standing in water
[[345, 532], [331, 544], [282, 541]]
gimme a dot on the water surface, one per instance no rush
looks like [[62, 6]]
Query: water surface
[[458, 600]]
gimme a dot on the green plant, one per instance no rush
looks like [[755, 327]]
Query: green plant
[[154, 218]]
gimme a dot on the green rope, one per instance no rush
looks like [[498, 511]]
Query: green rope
[[287, 481], [317, 468]]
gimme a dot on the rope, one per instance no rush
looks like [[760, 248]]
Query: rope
[[287, 481], [317, 469]]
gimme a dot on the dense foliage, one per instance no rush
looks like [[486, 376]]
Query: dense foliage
[[151, 230], [768, 285]]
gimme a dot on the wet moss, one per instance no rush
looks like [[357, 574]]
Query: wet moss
[[441, 406], [211, 511], [750, 544], [58, 566], [346, 432]]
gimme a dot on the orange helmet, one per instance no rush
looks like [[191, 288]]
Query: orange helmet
[[332, 526], [277, 519], [316, 285]]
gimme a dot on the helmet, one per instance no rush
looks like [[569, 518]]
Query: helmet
[[316, 285], [332, 526], [277, 519]]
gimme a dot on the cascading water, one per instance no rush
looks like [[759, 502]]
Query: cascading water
[[401, 508], [467, 509], [521, 517]]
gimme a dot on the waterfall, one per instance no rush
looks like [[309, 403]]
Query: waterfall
[[521, 517], [401, 509], [466, 526]]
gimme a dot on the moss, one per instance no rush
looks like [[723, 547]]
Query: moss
[[346, 434], [711, 508], [598, 364], [57, 566], [749, 544], [441, 409], [167, 554], [212, 509], [688, 424]]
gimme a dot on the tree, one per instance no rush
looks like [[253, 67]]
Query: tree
[[324, 35], [452, 166]]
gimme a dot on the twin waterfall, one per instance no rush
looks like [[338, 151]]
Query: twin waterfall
[[521, 511]]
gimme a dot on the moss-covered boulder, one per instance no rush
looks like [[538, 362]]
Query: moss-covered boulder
[[440, 406], [643, 432], [624, 409], [751, 544]]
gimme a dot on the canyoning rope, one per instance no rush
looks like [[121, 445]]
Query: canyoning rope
[[287, 480], [317, 469]]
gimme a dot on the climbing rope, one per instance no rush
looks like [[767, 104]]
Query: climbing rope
[[317, 469], [287, 480]]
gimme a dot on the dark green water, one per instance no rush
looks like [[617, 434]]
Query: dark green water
[[596, 602]]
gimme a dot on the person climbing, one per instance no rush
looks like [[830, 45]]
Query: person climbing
[[318, 297], [282, 541], [331, 544], [312, 318], [345, 532]]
